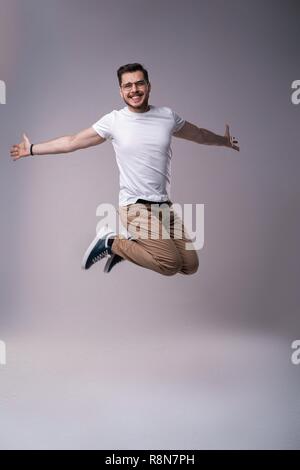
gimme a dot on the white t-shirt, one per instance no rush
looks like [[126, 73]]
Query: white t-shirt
[[142, 144]]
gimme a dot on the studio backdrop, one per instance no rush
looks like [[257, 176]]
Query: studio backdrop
[[134, 359]]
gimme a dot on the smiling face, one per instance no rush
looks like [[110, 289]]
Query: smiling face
[[135, 91]]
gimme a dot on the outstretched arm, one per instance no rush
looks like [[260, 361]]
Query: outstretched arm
[[70, 143], [203, 136]]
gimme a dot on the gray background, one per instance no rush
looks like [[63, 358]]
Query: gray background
[[135, 359]]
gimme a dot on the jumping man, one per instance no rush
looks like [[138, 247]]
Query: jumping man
[[141, 136]]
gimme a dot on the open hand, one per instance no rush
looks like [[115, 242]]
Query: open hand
[[231, 142], [20, 150]]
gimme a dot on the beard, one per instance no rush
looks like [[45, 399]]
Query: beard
[[142, 104]]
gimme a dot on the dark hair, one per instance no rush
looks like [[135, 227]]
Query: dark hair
[[131, 68]]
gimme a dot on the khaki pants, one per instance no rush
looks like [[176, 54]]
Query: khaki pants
[[160, 239]]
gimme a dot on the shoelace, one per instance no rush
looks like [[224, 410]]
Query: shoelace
[[100, 256]]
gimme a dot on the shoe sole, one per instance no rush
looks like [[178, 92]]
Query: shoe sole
[[101, 234], [107, 264]]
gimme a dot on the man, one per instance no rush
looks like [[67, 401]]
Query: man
[[141, 136]]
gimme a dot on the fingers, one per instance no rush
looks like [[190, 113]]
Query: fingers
[[234, 143], [15, 152]]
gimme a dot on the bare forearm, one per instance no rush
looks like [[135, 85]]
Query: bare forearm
[[55, 146], [199, 135], [207, 137], [69, 143]]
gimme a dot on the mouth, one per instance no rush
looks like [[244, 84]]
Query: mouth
[[136, 98]]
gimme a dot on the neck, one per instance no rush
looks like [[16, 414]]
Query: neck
[[144, 109]]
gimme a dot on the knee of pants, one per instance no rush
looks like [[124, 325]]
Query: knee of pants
[[170, 268], [193, 266]]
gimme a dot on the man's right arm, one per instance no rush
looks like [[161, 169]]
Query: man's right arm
[[67, 144]]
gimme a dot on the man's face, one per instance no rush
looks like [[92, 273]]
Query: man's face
[[135, 96]]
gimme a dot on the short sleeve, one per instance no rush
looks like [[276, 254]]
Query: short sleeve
[[104, 127], [178, 122]]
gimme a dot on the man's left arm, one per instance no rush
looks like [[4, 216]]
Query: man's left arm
[[203, 136]]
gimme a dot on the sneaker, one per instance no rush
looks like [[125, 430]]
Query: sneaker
[[99, 248], [113, 260]]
